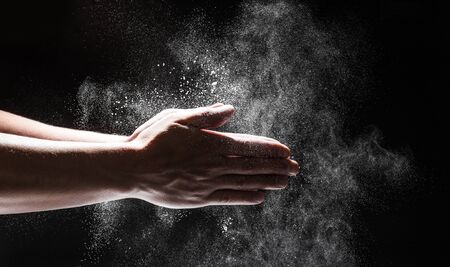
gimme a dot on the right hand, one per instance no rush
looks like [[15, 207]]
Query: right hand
[[176, 161]]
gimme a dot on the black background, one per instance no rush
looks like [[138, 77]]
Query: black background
[[47, 51]]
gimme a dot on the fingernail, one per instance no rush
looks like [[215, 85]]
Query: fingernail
[[294, 167]]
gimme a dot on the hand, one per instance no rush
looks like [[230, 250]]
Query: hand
[[177, 161]]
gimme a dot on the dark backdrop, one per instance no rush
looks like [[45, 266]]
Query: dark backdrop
[[48, 49]]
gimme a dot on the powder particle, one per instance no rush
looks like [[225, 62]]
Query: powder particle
[[287, 78]]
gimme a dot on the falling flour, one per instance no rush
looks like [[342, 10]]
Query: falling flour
[[287, 76]]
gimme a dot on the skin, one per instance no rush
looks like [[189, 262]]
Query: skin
[[174, 160]]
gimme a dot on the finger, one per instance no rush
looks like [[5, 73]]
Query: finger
[[207, 117], [249, 136], [153, 120], [247, 146], [216, 105], [256, 166], [235, 197], [251, 182], [165, 113]]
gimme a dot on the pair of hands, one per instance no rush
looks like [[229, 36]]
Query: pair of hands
[[175, 160]]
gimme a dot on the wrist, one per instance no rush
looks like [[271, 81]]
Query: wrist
[[117, 167]]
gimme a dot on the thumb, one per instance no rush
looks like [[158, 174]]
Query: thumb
[[209, 117]]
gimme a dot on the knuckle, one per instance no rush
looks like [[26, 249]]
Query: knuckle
[[205, 113]]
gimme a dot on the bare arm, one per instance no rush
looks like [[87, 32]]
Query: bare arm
[[38, 174], [174, 160], [18, 125]]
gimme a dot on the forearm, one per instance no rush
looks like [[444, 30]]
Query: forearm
[[38, 175], [14, 124]]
